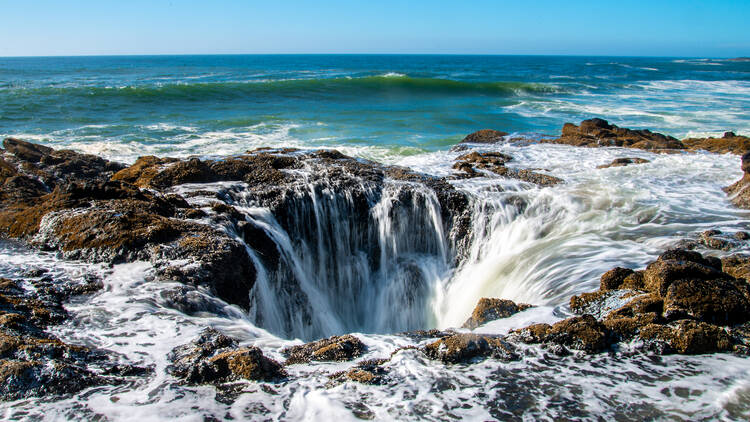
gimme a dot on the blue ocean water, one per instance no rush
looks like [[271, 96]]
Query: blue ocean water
[[373, 105]]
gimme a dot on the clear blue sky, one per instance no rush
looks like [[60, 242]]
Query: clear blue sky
[[717, 28]]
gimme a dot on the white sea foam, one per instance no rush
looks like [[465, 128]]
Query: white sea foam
[[555, 246], [393, 75]]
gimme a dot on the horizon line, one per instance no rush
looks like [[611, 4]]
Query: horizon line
[[362, 54]]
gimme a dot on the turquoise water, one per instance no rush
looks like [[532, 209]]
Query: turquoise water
[[376, 106]]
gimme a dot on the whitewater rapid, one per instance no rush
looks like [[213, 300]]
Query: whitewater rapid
[[529, 244]]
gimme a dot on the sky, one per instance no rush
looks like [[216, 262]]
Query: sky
[[716, 28]]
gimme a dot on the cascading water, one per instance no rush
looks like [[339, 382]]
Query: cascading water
[[363, 258]]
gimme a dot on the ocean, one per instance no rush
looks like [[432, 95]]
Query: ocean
[[380, 107], [408, 111]]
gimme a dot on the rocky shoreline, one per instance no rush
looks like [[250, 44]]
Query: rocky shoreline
[[87, 208]]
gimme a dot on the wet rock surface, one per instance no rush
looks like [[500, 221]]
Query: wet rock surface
[[490, 309], [729, 143], [214, 358], [494, 162], [336, 348], [683, 302], [622, 162], [35, 363], [484, 136], [370, 372], [466, 348], [738, 191], [600, 133]]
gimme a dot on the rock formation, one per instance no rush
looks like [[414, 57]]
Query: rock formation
[[738, 191], [681, 303]]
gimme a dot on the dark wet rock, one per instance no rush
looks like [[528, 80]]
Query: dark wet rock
[[614, 278], [35, 363], [583, 333], [55, 166], [729, 143], [622, 162], [598, 303], [580, 333], [721, 301], [214, 358], [715, 239], [86, 216], [369, 372], [23, 379], [660, 275], [336, 348], [484, 136], [255, 168], [494, 162], [688, 337], [684, 302], [490, 309], [738, 192], [624, 328], [740, 335], [532, 334], [600, 133], [464, 348], [143, 170], [738, 266], [528, 176], [419, 335]]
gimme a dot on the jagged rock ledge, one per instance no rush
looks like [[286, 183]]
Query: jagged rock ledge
[[600, 133]]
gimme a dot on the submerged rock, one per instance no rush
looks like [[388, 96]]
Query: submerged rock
[[214, 358], [490, 309], [495, 163], [621, 162], [336, 348], [600, 133], [34, 363], [369, 372]]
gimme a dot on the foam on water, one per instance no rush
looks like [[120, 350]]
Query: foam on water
[[554, 246]]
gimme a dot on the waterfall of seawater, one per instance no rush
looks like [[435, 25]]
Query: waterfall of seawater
[[375, 257], [351, 259]]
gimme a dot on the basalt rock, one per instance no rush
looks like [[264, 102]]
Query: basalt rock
[[490, 309], [369, 372], [463, 348], [494, 162], [622, 162], [35, 363], [484, 136], [729, 143], [738, 266], [600, 133], [336, 348], [214, 358], [688, 337], [715, 239], [583, 333], [683, 302], [54, 166]]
